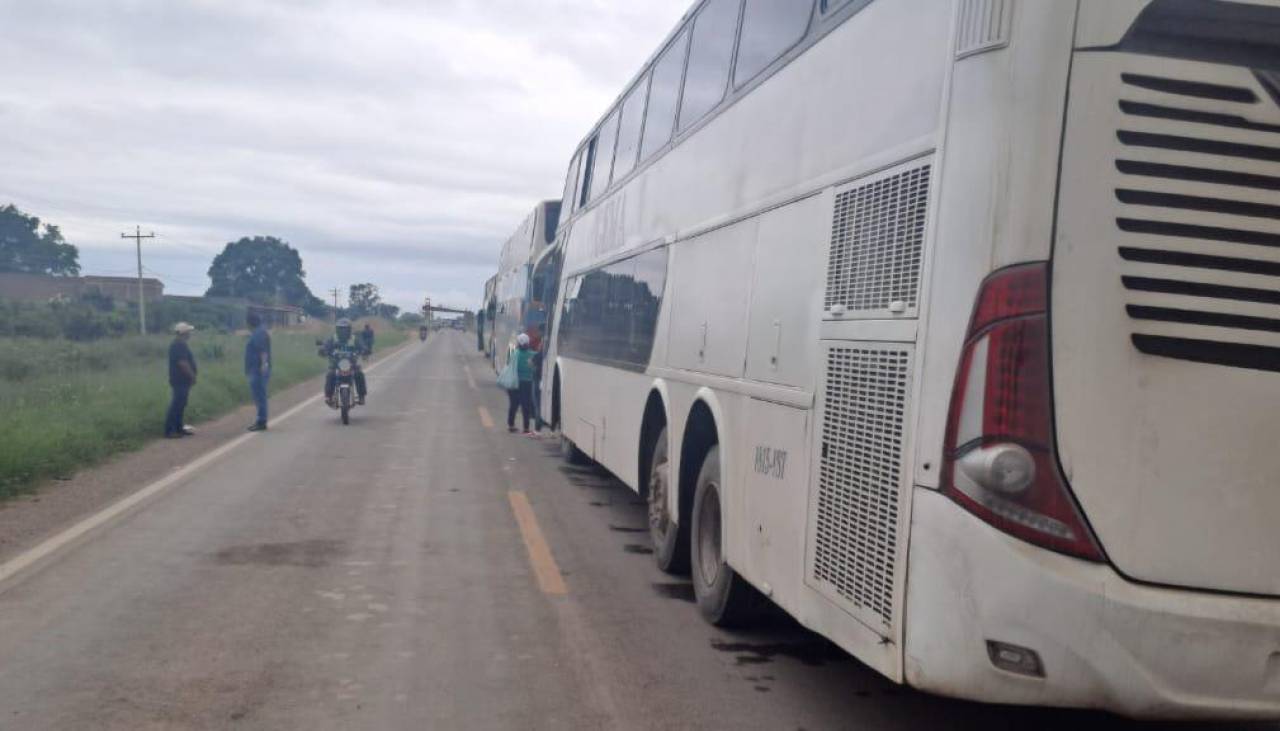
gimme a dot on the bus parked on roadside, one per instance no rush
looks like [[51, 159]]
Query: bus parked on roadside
[[951, 327], [514, 310]]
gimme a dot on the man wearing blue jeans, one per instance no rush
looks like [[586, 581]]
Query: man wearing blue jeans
[[257, 366]]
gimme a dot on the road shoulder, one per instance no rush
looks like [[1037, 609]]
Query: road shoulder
[[28, 519]]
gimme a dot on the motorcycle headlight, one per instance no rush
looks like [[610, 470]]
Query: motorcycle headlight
[[344, 364]]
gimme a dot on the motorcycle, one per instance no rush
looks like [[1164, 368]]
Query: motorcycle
[[422, 334], [343, 362]]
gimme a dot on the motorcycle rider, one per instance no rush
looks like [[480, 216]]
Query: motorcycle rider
[[341, 341]]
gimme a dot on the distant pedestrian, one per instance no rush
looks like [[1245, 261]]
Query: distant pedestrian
[[521, 397], [257, 366], [182, 376], [366, 338]]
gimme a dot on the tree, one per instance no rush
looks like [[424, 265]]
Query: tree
[[364, 300], [263, 270], [388, 312], [25, 248]]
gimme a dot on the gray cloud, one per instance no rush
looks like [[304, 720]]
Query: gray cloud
[[391, 141]]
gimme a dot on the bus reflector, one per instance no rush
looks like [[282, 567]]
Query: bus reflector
[[999, 460]]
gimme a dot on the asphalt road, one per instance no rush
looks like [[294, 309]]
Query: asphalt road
[[420, 569]]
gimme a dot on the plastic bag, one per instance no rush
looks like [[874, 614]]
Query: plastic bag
[[508, 378]]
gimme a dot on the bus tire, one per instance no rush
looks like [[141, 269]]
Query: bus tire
[[724, 598], [570, 453], [670, 539]]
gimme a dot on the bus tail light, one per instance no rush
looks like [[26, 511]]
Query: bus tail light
[[999, 461]]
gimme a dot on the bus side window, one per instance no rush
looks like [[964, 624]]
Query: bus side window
[[664, 94], [604, 156], [710, 54], [584, 179], [770, 28], [629, 129]]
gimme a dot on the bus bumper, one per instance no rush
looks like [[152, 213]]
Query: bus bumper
[[1103, 641]]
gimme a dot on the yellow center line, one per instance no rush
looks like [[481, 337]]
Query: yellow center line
[[544, 565], [485, 420]]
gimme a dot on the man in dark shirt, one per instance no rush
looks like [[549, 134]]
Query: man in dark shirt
[[257, 366], [182, 376], [366, 338]]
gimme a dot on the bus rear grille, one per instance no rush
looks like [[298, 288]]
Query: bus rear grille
[[1199, 163], [855, 524], [877, 241]]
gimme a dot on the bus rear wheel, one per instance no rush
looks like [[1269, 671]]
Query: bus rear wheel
[[725, 599], [670, 540]]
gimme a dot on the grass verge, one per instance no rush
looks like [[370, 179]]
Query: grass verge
[[69, 405]]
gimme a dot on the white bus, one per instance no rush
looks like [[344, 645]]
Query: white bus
[[953, 328], [513, 310]]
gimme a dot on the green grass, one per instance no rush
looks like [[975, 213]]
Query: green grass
[[69, 405]]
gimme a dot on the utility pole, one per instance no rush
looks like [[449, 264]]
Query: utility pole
[[335, 292], [138, 236]]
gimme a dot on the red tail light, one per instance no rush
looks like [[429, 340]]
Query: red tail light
[[999, 461]]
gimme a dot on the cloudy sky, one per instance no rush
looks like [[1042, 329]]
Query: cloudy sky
[[391, 141]]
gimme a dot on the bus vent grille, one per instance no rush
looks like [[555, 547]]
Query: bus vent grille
[[983, 25], [1199, 169], [877, 242], [855, 530]]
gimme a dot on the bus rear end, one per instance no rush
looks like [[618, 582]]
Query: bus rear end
[[1106, 529]]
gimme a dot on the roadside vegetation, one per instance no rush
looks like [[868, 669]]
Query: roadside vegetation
[[70, 404]]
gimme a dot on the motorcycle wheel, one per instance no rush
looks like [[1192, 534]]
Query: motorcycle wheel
[[346, 407]]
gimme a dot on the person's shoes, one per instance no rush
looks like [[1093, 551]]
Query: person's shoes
[[257, 427], [331, 402], [511, 429], [528, 433], [187, 431], [360, 400]]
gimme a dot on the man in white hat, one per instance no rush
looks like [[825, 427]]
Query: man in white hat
[[182, 376]]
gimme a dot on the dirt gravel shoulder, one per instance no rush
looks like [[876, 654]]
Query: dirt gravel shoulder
[[28, 519]]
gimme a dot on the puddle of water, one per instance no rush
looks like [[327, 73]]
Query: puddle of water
[[627, 529], [309, 554], [812, 652], [681, 590]]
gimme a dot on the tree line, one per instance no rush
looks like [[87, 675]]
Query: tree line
[[264, 270]]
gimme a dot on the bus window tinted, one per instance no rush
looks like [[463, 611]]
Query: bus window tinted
[[769, 29], [610, 314], [570, 184], [604, 156], [629, 129], [663, 95], [710, 54], [584, 179]]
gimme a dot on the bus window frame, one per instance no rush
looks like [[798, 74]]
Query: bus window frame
[[734, 83], [832, 18]]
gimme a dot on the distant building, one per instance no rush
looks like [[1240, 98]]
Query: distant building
[[279, 315], [42, 288], [124, 289]]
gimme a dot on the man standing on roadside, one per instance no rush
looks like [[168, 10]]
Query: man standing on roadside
[[182, 376], [257, 366]]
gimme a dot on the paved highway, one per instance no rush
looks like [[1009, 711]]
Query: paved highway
[[420, 569]]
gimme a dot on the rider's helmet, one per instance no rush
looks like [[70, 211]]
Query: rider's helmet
[[343, 329]]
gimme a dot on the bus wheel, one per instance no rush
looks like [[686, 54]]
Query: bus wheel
[[570, 452], [670, 540], [724, 598]]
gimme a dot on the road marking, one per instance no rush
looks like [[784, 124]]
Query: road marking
[[52, 545], [544, 565], [485, 420], [471, 380]]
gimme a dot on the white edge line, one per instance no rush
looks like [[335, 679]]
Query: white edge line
[[49, 546]]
